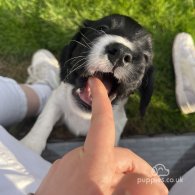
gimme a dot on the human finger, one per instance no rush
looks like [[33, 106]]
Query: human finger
[[101, 135], [127, 161], [139, 184]]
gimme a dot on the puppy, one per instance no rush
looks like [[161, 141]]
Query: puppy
[[118, 51]]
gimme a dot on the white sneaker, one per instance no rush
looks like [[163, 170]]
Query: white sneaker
[[184, 66], [44, 69]]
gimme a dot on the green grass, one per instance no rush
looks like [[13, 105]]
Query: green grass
[[26, 26]]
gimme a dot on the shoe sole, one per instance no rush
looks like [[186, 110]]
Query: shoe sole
[[182, 100]]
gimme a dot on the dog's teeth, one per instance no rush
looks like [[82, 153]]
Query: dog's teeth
[[113, 97], [78, 91]]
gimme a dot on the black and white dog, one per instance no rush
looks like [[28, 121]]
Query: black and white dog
[[117, 50]]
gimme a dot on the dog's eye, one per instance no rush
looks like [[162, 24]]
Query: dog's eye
[[102, 28]]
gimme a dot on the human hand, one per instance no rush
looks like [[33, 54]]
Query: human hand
[[99, 168]]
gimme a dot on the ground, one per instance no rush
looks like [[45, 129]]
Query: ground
[[26, 26]]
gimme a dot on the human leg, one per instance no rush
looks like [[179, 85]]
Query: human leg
[[18, 101], [13, 103]]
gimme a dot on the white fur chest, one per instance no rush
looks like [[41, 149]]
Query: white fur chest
[[79, 121], [61, 106]]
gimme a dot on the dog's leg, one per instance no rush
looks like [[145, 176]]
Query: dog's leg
[[37, 137], [120, 121]]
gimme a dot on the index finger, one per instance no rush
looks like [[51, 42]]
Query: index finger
[[101, 134]]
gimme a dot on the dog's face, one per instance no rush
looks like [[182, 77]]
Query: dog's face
[[118, 51]]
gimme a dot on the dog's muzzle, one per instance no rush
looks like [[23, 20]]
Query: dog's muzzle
[[82, 92]]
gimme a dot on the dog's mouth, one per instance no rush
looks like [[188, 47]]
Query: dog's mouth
[[82, 92]]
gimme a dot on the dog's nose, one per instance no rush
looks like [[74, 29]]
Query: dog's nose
[[118, 54]]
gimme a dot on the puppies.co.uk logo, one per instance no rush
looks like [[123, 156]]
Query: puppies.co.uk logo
[[163, 173], [161, 170]]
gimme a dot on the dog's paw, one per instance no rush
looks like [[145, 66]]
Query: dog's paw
[[34, 144]]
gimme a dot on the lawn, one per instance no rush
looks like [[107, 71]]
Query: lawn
[[26, 26]]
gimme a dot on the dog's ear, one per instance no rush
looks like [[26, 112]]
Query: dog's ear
[[146, 89], [68, 49], [87, 23]]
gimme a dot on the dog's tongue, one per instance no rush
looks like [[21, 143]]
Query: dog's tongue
[[85, 93]]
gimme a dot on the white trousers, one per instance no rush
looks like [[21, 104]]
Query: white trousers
[[13, 103], [21, 170]]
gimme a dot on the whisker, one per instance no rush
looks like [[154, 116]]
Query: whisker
[[73, 58], [86, 39], [91, 54], [94, 29], [80, 43], [87, 43], [78, 62], [98, 31], [85, 52], [74, 69], [80, 66]]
